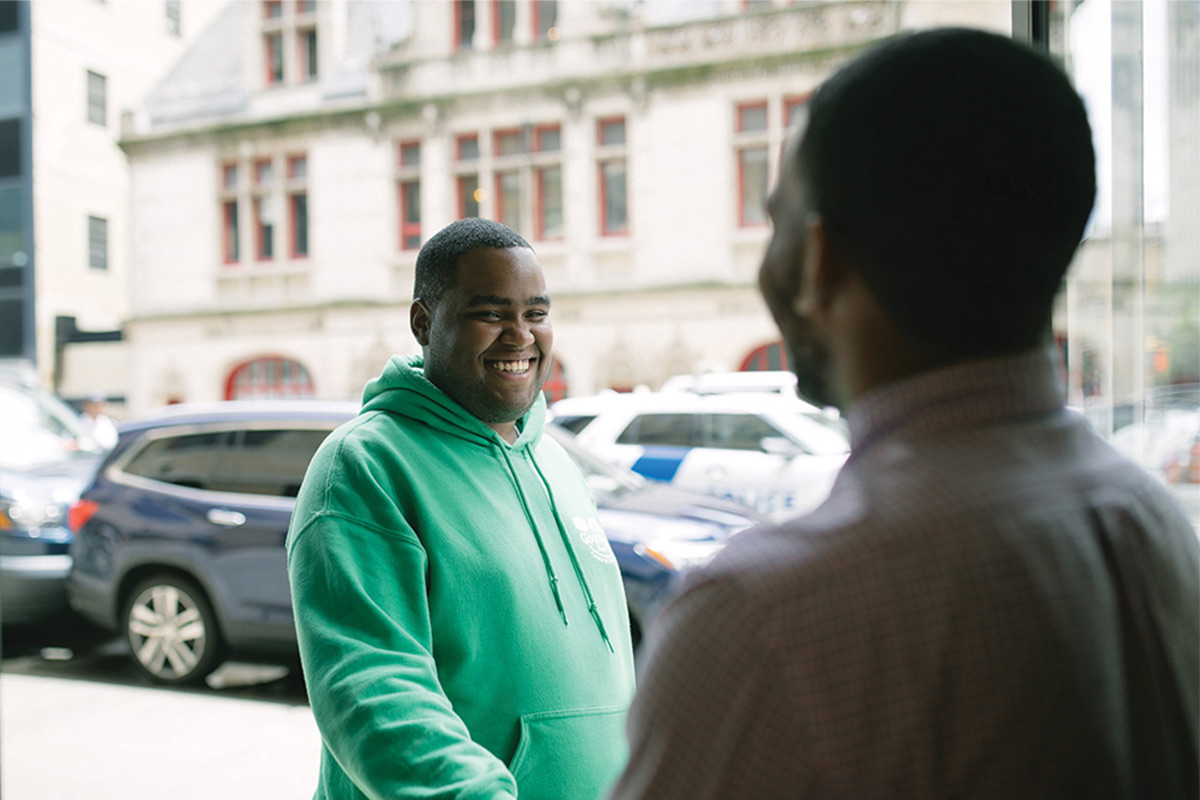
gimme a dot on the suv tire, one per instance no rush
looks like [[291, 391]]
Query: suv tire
[[172, 630]]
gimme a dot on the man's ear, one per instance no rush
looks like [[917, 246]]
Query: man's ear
[[420, 319], [824, 270]]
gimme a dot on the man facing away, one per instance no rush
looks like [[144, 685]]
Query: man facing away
[[462, 632], [991, 603]]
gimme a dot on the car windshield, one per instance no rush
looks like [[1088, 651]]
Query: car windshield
[[37, 428]]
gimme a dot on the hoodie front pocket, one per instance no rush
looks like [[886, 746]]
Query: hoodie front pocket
[[569, 755]]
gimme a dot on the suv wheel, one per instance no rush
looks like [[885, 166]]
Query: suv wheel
[[172, 630]]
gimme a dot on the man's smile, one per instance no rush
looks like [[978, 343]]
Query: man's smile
[[518, 366]]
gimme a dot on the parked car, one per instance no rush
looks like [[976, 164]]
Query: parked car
[[45, 460], [768, 450], [180, 537]]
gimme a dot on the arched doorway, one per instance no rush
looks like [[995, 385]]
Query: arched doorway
[[268, 377], [772, 356]]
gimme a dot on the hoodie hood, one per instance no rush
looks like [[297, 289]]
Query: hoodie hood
[[403, 389]]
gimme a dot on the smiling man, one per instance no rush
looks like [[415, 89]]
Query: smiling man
[[459, 637]]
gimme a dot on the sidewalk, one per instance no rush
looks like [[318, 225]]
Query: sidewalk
[[81, 740]]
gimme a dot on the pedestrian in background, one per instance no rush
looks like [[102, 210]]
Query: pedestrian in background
[[992, 602], [97, 423], [461, 618]]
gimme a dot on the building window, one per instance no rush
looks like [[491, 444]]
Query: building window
[[174, 26], [273, 50], [264, 210], [545, 20], [230, 229], [548, 188], [98, 243], [267, 378], [469, 196], [290, 42], [408, 185], [504, 21], [97, 98], [278, 209], [795, 112], [771, 356], [614, 217], [752, 146], [464, 24], [297, 198], [306, 49]]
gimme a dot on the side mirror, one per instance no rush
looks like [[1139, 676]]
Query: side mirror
[[780, 446]]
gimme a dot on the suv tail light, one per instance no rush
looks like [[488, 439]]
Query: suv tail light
[[80, 513]]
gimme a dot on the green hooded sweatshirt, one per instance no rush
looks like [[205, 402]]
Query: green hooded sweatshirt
[[460, 614]]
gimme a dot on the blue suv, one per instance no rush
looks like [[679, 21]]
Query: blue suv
[[179, 539]]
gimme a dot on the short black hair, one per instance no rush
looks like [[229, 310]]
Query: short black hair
[[438, 259], [956, 168]]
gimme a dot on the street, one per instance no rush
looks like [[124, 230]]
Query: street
[[77, 722]]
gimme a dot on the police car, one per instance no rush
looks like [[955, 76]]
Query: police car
[[768, 450]]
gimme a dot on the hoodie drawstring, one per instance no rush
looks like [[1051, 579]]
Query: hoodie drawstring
[[579, 574], [541, 545]]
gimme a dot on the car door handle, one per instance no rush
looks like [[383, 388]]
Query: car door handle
[[226, 518]]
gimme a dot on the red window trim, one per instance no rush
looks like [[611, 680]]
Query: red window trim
[[458, 145], [500, 133], [792, 102], [255, 177], [271, 40], [535, 17], [405, 227], [302, 388], [406, 146], [540, 130], [741, 107], [291, 160], [601, 122], [458, 7]]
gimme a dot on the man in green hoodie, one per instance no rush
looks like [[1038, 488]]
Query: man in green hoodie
[[461, 618]]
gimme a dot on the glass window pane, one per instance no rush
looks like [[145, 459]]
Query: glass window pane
[[468, 196], [97, 243], [752, 118], [97, 91], [509, 186], [549, 140], [187, 460], [612, 132], [670, 430], [550, 202], [269, 462], [506, 20], [752, 175], [300, 224], [613, 175], [737, 431]]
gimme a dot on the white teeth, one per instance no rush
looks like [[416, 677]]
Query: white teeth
[[512, 366]]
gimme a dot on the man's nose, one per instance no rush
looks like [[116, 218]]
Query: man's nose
[[518, 333]]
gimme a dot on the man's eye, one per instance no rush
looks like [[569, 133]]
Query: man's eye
[[488, 316]]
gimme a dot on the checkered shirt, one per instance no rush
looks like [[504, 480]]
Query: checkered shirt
[[947, 624]]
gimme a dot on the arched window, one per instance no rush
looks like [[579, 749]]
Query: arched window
[[771, 356], [269, 377], [555, 387]]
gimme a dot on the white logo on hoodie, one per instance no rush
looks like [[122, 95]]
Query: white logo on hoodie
[[593, 536]]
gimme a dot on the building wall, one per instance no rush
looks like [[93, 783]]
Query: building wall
[[79, 171], [676, 294]]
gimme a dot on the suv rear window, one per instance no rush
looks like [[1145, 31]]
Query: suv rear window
[[263, 462]]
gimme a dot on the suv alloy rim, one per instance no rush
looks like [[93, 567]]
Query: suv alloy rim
[[167, 631]]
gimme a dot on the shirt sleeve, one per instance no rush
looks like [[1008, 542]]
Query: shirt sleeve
[[362, 621], [709, 719]]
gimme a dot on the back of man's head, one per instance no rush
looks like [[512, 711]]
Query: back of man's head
[[955, 169], [438, 258]]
